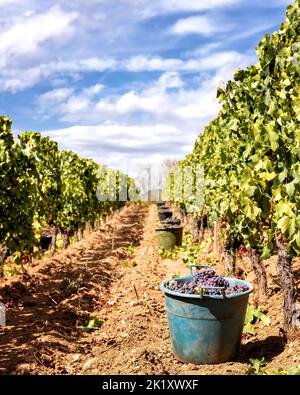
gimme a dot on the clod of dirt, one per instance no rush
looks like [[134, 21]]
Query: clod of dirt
[[89, 364]]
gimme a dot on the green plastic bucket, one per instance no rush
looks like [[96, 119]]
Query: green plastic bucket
[[206, 329], [169, 237]]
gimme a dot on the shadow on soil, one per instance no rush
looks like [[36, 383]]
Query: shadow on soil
[[268, 348]]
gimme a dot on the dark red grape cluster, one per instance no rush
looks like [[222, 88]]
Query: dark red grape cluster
[[208, 282], [236, 289]]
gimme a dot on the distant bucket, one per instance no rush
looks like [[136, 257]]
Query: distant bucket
[[164, 214], [169, 237]]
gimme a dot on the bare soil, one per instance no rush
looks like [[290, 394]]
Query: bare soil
[[48, 307]]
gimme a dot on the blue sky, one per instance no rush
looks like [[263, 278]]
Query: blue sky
[[125, 82]]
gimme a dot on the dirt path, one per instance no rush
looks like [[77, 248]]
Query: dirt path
[[45, 324], [46, 311], [135, 338]]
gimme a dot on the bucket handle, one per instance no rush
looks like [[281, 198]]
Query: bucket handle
[[222, 289]]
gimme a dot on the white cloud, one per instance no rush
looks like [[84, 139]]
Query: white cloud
[[271, 3], [197, 63], [169, 80], [142, 118], [200, 24], [128, 136], [64, 100], [166, 99], [263, 27], [124, 146], [25, 35], [29, 13], [93, 90], [196, 5], [161, 120], [220, 59], [35, 48], [76, 104], [204, 49], [142, 63], [88, 64], [12, 78], [150, 7], [56, 95], [53, 98], [8, 2]]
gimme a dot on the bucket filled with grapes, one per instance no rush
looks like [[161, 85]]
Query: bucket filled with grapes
[[206, 314], [171, 221], [163, 214], [160, 204]]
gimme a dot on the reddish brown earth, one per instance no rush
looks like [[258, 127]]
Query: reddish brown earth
[[48, 308]]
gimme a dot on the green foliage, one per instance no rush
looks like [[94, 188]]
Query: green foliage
[[94, 323], [189, 252], [169, 254], [282, 372], [11, 269], [129, 263], [18, 193], [72, 284], [130, 249], [254, 316], [256, 367]]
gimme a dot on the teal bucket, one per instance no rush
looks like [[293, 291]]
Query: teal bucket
[[206, 329]]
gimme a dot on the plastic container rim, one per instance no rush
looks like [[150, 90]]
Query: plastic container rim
[[168, 291], [172, 227]]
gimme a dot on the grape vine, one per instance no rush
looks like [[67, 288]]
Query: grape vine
[[43, 186]]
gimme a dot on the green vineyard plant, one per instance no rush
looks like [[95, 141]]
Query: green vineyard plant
[[43, 187]]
